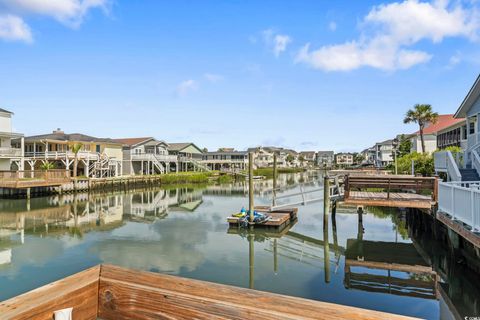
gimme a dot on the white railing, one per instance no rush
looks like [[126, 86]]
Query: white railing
[[444, 162], [63, 154], [152, 157], [472, 139], [476, 161], [10, 152], [461, 200]]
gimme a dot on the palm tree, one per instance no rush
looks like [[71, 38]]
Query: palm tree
[[47, 165], [423, 115], [75, 149]]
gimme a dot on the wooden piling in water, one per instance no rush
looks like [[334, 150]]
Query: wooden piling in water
[[326, 196], [251, 205]]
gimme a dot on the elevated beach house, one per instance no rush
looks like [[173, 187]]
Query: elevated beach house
[[189, 156], [97, 157], [226, 159], [145, 156], [325, 159], [383, 153], [344, 159], [11, 152]]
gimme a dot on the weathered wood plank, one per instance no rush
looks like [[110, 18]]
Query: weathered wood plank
[[129, 294], [79, 291]]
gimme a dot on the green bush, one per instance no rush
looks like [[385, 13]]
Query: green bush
[[423, 164]]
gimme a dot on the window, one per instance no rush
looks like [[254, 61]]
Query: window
[[472, 127]]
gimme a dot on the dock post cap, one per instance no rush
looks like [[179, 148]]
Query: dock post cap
[[64, 314]]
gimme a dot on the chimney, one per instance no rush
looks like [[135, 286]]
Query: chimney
[[58, 131]]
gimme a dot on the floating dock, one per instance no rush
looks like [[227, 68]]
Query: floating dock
[[278, 218]]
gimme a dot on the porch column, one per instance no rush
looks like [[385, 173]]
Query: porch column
[[21, 167]]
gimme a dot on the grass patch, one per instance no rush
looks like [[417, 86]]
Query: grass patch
[[185, 178], [268, 172]]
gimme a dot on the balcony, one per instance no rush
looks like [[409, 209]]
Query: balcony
[[54, 155], [9, 152], [153, 157]]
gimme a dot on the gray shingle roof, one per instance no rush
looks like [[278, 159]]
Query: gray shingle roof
[[60, 136], [6, 111]]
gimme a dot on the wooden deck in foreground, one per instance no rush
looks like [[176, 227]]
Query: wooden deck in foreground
[[110, 292], [391, 191]]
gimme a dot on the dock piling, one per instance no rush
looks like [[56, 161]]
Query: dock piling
[[326, 195], [251, 205]]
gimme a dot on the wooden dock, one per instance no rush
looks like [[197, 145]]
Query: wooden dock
[[391, 191], [110, 292], [279, 219], [33, 178]]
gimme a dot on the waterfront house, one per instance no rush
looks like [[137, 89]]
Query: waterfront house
[[446, 125], [383, 153], [97, 158], [344, 159], [369, 155], [262, 157], [11, 153], [189, 156], [325, 159], [454, 135], [145, 156], [309, 157], [226, 159]]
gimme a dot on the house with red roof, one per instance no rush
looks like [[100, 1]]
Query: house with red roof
[[446, 131]]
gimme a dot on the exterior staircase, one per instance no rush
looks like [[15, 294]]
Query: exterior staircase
[[158, 164], [100, 168], [469, 174], [200, 166]]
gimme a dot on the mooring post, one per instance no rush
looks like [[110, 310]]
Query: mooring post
[[251, 260], [326, 196], [326, 250], [250, 185], [275, 256], [274, 179]]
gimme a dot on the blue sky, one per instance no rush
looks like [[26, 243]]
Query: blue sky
[[310, 75]]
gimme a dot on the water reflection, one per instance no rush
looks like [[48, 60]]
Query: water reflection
[[380, 259]]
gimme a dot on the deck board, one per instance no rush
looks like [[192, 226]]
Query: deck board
[[394, 199]]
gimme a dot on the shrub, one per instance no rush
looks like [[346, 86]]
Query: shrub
[[423, 164]]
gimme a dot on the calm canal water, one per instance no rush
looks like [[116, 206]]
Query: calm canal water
[[183, 231]]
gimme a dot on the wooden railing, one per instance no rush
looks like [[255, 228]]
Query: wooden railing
[[109, 292], [33, 178], [392, 183]]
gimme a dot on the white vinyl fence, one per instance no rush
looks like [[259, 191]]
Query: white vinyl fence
[[461, 200]]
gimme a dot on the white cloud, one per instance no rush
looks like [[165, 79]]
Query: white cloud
[[13, 28], [277, 42], [455, 59], [388, 30], [332, 26], [68, 12], [186, 87], [213, 77]]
